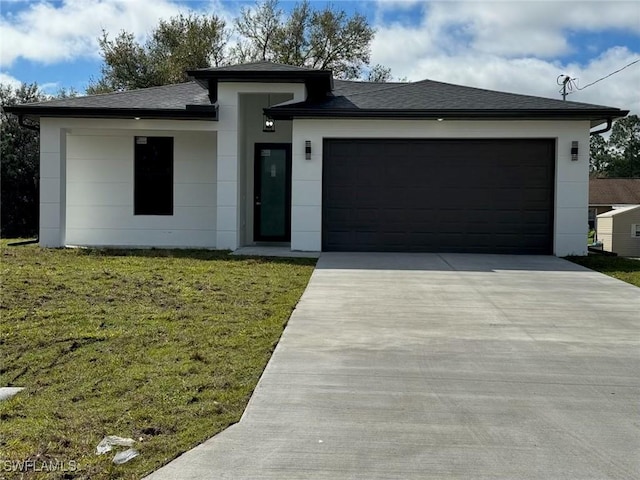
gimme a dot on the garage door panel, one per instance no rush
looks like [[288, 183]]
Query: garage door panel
[[438, 195]]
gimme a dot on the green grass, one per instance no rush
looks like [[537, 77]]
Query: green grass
[[625, 269], [164, 346]]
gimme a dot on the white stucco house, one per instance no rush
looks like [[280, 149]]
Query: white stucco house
[[265, 153]]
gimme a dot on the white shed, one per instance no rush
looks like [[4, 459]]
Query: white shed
[[619, 231]]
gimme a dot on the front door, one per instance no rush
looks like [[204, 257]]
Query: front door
[[272, 192]]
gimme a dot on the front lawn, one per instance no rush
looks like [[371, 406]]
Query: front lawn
[[625, 269], [163, 346]]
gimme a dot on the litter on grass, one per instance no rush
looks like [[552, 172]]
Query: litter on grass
[[108, 442], [122, 457]]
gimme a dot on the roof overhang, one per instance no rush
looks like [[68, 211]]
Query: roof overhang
[[191, 112], [595, 116], [318, 82]]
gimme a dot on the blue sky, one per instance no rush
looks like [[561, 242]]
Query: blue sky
[[516, 46]]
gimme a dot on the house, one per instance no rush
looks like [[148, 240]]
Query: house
[[619, 231], [606, 194], [274, 154]]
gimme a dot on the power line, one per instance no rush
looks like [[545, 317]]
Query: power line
[[569, 84]]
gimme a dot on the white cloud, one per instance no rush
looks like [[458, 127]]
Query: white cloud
[[514, 47], [49, 33], [6, 79]]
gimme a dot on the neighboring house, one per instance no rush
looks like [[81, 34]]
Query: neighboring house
[[606, 194], [619, 231], [263, 153]]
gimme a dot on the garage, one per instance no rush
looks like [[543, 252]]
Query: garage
[[449, 195]]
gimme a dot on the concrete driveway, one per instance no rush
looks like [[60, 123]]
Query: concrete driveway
[[450, 366]]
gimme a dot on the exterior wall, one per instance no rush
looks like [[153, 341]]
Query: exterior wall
[[53, 156], [616, 236], [605, 233], [571, 189], [94, 164], [230, 172]]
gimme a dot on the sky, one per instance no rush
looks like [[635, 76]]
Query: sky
[[513, 46]]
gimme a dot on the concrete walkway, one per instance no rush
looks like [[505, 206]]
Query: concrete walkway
[[443, 367]]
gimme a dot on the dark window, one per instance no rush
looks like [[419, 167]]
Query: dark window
[[153, 183]]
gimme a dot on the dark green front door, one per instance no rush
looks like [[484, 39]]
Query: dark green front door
[[272, 195]]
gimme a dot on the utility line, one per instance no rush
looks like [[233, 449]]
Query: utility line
[[568, 83]]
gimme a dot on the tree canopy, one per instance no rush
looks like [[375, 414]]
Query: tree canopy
[[322, 38], [19, 165], [176, 45], [619, 155]]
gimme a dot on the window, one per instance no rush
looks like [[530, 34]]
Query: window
[[635, 230], [153, 176]]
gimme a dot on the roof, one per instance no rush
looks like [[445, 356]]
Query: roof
[[326, 98], [184, 100], [619, 211], [318, 82], [614, 191], [432, 99]]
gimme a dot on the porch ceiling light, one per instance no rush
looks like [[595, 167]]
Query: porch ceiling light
[[268, 124]]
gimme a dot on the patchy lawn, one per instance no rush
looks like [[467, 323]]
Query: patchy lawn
[[625, 269], [164, 346]]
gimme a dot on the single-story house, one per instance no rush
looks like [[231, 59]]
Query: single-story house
[[619, 231], [268, 153], [606, 194]]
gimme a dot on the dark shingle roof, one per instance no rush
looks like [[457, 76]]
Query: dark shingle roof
[[429, 97], [326, 98], [614, 191], [179, 101], [166, 97]]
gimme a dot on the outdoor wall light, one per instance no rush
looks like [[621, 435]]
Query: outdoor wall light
[[574, 151], [307, 149], [268, 124]]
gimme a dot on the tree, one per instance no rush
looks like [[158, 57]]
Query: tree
[[320, 39], [19, 165], [257, 29], [307, 37], [598, 155], [619, 156], [182, 43], [379, 74], [625, 140]]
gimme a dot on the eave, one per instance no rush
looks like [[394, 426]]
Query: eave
[[192, 112], [594, 115]]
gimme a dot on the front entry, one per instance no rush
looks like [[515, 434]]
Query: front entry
[[272, 192]]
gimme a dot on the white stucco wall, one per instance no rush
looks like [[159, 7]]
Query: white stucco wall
[[86, 166], [90, 201], [571, 189]]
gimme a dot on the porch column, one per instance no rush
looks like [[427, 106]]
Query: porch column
[[227, 201], [53, 183]]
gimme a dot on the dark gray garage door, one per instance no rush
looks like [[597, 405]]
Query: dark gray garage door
[[485, 196]]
